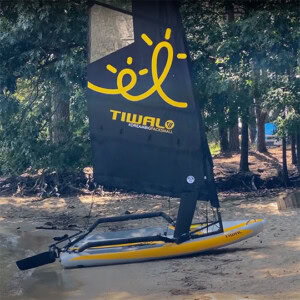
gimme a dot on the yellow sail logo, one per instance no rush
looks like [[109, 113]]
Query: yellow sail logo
[[169, 124], [148, 121], [124, 90]]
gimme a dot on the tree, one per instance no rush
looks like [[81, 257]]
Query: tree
[[43, 58], [298, 152], [239, 65], [270, 54], [244, 164], [234, 142], [285, 173], [293, 149]]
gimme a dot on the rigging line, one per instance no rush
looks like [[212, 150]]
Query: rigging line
[[206, 210], [214, 213], [169, 211], [91, 208], [199, 214]]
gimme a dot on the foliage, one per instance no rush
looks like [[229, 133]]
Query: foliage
[[245, 54], [43, 48], [242, 52], [214, 148]]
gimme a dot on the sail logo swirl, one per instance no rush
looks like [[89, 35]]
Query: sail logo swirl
[[158, 80]]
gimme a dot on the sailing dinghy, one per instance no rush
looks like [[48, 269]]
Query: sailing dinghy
[[133, 246], [147, 136]]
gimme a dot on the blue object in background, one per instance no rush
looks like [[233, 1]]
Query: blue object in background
[[270, 128]]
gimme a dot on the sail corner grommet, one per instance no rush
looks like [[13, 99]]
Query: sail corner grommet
[[190, 179]]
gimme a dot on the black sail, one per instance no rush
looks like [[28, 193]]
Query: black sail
[[146, 128]]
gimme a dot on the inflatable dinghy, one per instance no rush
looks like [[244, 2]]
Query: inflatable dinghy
[[84, 255], [93, 248]]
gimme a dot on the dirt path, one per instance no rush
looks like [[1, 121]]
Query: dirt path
[[264, 267]]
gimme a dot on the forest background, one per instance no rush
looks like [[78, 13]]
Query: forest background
[[245, 58]]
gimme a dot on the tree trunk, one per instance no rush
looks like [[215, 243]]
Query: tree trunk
[[261, 136], [298, 152], [61, 116], [50, 126], [252, 131], [234, 142], [285, 173], [244, 164], [293, 149], [223, 134], [252, 126], [230, 11], [260, 114]]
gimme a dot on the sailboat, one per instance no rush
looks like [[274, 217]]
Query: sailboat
[[148, 136]]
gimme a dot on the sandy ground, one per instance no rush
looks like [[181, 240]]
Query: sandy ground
[[264, 267]]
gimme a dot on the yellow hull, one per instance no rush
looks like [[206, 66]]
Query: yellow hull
[[234, 232]]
